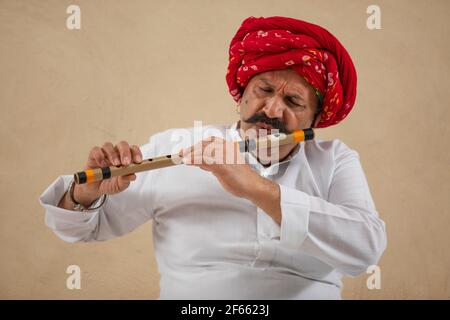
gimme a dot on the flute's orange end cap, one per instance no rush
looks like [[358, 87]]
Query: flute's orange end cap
[[89, 176], [299, 135]]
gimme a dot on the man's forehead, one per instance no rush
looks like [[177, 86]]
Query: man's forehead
[[274, 77]]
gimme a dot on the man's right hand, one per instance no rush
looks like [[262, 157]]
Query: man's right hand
[[105, 156]]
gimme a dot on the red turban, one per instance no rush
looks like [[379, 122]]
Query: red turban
[[274, 43]]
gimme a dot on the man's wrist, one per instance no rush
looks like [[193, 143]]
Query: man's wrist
[[261, 189], [83, 197], [266, 195]]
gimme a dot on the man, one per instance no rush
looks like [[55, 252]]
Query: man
[[254, 228]]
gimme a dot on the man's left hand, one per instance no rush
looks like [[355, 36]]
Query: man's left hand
[[223, 159]]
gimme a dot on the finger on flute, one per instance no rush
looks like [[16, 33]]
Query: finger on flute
[[277, 139]]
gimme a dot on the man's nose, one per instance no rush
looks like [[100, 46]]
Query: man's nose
[[274, 108]]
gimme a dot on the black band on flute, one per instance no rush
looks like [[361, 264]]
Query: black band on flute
[[80, 177], [106, 173], [309, 134]]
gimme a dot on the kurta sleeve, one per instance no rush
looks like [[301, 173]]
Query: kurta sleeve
[[122, 213], [345, 230]]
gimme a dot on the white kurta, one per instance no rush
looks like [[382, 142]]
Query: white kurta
[[210, 244]]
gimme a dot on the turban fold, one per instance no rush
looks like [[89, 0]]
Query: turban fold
[[275, 43]]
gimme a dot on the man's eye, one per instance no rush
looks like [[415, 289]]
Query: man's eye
[[266, 89], [296, 106]]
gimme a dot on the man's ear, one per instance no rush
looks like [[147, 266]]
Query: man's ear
[[317, 120]]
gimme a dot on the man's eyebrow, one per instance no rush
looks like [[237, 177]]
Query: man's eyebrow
[[265, 81], [291, 95]]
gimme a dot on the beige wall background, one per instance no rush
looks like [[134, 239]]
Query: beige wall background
[[139, 67]]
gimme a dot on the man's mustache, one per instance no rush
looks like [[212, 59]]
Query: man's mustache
[[274, 122]]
